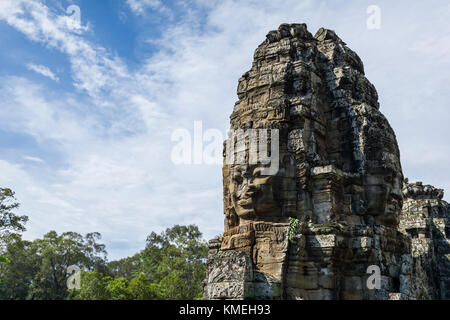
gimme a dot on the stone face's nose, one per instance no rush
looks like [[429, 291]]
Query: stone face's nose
[[396, 193]]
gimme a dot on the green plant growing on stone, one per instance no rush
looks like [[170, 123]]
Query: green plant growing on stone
[[294, 229], [4, 260]]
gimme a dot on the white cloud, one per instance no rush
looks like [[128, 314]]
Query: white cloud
[[42, 70], [94, 68], [33, 159], [28, 108], [139, 7]]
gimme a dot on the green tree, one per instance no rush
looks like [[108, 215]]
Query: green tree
[[17, 276], [141, 289], [176, 260], [57, 253], [93, 287], [9, 221], [118, 289], [127, 268]]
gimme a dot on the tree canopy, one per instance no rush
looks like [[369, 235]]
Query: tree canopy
[[171, 266]]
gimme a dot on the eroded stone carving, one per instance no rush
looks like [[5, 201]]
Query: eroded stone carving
[[339, 175]]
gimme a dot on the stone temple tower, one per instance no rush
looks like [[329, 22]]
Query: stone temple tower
[[329, 215]]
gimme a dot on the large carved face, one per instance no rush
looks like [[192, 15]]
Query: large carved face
[[384, 178], [252, 194]]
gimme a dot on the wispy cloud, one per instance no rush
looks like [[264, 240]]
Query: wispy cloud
[[139, 7], [33, 159], [42, 70]]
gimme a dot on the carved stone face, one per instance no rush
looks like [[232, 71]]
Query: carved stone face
[[384, 195], [252, 194], [384, 178]]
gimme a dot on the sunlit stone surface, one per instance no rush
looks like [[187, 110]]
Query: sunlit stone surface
[[339, 175]]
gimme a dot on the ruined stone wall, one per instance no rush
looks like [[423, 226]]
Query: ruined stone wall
[[425, 218], [339, 179]]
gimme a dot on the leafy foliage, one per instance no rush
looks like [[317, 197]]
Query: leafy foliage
[[38, 269], [17, 276], [9, 221], [98, 287], [93, 287], [172, 266], [294, 229], [57, 253], [176, 259]]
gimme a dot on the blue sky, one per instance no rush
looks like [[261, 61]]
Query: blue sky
[[87, 111]]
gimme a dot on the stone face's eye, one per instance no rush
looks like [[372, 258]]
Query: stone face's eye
[[388, 179]]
